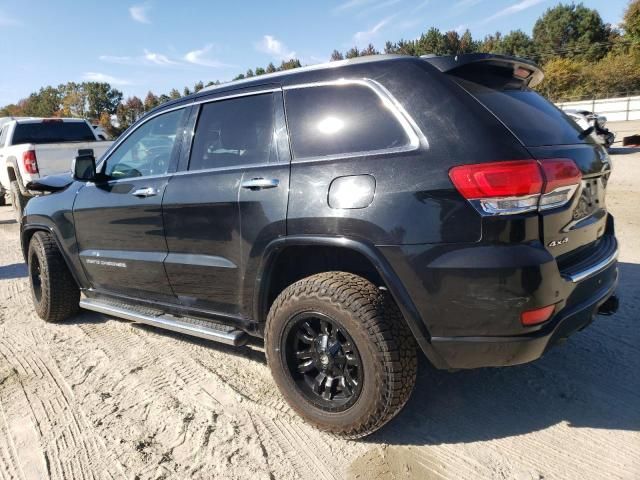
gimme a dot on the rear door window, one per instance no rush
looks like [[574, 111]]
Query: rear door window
[[348, 119], [235, 132], [52, 131]]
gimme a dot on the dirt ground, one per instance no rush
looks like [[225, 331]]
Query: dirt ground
[[98, 398]]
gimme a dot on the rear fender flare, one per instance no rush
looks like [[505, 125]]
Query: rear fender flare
[[384, 269]]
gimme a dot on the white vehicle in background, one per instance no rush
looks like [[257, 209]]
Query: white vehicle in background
[[595, 124], [101, 133], [32, 148]]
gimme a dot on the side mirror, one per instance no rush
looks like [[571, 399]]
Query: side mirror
[[84, 165]]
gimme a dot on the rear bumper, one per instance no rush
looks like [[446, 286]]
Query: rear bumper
[[475, 352], [470, 298]]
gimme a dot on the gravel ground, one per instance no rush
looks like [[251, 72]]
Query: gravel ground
[[98, 397]]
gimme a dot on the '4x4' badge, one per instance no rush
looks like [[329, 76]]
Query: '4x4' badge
[[555, 243]]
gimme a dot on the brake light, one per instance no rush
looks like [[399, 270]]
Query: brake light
[[30, 162], [536, 316], [508, 187]]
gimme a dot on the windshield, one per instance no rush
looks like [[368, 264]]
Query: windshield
[[52, 132]]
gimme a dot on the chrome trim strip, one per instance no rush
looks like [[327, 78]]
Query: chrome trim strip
[[234, 337], [199, 260], [186, 105], [594, 269]]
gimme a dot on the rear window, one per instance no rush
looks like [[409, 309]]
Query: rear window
[[52, 132], [530, 116], [341, 120]]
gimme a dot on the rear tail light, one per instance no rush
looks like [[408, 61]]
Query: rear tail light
[[30, 162], [537, 316], [504, 188]]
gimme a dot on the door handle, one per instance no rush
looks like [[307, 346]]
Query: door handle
[[260, 183], [145, 192]]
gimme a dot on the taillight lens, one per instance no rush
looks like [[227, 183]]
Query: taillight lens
[[30, 162], [502, 188]]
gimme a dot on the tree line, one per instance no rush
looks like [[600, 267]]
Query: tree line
[[580, 54]]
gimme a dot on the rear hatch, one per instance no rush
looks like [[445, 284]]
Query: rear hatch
[[502, 84]]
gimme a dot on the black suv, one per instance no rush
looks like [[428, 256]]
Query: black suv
[[346, 213]]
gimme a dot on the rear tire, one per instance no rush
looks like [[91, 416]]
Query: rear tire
[[55, 294], [18, 200], [359, 369]]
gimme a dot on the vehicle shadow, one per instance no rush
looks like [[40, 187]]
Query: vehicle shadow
[[590, 381], [8, 222], [623, 150], [13, 271]]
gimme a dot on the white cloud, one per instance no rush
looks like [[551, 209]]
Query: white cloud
[[103, 77], [140, 13], [269, 44], [349, 4], [466, 3], [515, 8], [198, 57], [367, 35], [158, 58], [461, 28], [116, 59]]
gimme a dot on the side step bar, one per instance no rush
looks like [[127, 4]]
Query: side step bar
[[188, 326]]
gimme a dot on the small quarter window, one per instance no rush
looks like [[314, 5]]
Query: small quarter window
[[341, 120], [234, 132]]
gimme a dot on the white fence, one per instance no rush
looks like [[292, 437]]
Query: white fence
[[615, 109]]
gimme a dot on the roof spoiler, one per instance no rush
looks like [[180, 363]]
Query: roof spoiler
[[524, 70]]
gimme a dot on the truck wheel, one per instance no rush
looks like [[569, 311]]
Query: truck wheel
[[54, 291], [18, 200], [341, 353]]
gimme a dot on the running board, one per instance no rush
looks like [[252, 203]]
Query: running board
[[186, 325]]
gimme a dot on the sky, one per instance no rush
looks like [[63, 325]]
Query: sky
[[157, 45]]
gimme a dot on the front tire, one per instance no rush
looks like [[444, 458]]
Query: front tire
[[341, 353], [55, 294]]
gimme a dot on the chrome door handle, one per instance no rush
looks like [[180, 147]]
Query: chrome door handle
[[260, 183], [145, 192]]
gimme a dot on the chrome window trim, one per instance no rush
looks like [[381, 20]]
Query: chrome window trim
[[411, 129]]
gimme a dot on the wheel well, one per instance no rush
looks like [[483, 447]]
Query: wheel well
[[12, 174], [297, 262]]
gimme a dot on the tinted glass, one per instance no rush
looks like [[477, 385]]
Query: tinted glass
[[530, 116], [52, 132], [148, 150], [234, 132], [340, 119]]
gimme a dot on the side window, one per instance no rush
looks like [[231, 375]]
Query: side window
[[340, 120], [148, 150], [234, 132], [3, 135]]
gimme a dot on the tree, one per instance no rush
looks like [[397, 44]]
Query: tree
[[570, 31], [240, 76], [491, 43], [431, 42], [101, 98], [370, 50], [336, 55], [631, 21], [163, 98], [290, 64], [390, 47], [451, 43], [150, 101], [260, 71], [198, 86], [186, 91], [517, 43], [271, 68], [74, 99], [564, 78], [352, 53], [105, 123], [249, 73], [467, 45], [174, 94], [45, 103]]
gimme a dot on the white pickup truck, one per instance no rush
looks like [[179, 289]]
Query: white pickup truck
[[32, 148]]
